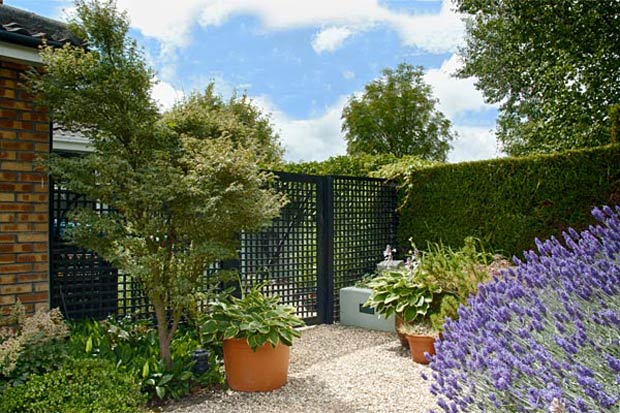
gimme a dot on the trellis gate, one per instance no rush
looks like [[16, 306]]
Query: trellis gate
[[332, 231]]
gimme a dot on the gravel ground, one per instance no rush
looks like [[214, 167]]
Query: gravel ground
[[334, 369]]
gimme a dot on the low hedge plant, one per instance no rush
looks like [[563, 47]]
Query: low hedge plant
[[84, 386]]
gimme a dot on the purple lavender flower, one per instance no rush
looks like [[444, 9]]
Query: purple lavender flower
[[543, 336]]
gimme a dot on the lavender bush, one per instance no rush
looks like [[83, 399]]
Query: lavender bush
[[544, 336]]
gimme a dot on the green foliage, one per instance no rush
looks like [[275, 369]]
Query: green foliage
[[448, 308], [208, 115], [614, 121], [179, 199], [552, 65], [384, 165], [508, 202], [433, 283], [133, 347], [397, 115], [255, 317], [401, 292], [456, 271], [32, 344], [85, 386]]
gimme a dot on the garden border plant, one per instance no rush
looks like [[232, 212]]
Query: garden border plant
[[549, 331]]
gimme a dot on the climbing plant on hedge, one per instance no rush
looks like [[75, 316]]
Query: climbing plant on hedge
[[508, 202], [383, 165]]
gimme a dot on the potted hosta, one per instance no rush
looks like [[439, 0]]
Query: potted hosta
[[399, 292], [256, 332]]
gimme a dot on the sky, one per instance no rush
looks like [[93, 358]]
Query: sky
[[300, 60]]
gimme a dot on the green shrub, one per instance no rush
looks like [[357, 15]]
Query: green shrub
[[508, 202], [80, 386], [133, 346], [31, 344]]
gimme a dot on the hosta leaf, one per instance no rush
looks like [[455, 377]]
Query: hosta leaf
[[391, 298], [161, 391], [210, 327], [165, 379], [231, 332]]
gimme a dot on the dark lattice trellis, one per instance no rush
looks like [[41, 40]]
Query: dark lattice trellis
[[364, 223], [285, 254], [82, 284], [332, 231]]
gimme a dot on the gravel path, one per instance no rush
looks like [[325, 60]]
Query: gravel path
[[335, 369]]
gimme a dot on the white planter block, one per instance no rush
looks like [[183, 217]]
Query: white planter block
[[353, 312]]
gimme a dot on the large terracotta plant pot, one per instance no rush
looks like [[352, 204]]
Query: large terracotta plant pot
[[418, 345], [398, 321], [265, 369]]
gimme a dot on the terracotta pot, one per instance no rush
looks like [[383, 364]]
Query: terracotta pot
[[265, 369], [418, 345], [398, 321]]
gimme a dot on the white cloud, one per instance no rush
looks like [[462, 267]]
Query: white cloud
[[348, 74], [455, 95], [172, 23], [330, 39], [166, 95], [313, 139], [434, 33], [473, 143]]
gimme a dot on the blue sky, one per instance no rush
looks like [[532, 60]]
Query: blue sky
[[301, 59]]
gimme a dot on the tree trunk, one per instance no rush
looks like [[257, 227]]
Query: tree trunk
[[162, 330]]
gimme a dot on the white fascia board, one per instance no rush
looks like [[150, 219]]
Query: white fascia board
[[19, 54], [67, 143]]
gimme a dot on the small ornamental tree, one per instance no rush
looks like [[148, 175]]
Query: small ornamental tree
[[207, 114], [542, 337], [180, 198]]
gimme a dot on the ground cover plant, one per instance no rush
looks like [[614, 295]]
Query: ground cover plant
[[90, 386], [544, 336], [132, 346]]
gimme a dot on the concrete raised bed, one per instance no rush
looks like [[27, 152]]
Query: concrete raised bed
[[353, 312]]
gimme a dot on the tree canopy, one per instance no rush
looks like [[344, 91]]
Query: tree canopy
[[208, 114], [396, 115], [552, 65], [180, 194]]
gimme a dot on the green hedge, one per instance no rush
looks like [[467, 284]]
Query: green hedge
[[508, 202]]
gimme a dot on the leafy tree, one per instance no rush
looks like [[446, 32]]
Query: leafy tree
[[207, 114], [179, 197], [396, 114], [553, 65]]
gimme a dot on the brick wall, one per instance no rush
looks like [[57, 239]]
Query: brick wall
[[24, 134]]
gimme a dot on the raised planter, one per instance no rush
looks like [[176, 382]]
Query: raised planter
[[353, 312]]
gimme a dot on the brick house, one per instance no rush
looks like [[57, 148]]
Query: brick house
[[25, 133]]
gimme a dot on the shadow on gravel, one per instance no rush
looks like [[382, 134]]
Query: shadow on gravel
[[300, 394]]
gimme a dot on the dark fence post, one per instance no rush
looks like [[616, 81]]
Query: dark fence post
[[325, 249]]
